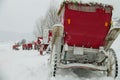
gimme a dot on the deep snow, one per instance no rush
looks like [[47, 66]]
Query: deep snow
[[29, 65], [21, 65]]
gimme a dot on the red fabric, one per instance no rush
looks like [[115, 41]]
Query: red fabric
[[45, 46], [50, 33], [15, 47], [24, 46], [86, 28], [49, 36], [29, 45], [39, 40], [40, 37]]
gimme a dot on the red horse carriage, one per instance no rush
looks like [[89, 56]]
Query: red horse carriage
[[27, 46], [15, 46], [84, 38]]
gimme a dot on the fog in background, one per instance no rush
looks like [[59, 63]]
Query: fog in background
[[20, 16]]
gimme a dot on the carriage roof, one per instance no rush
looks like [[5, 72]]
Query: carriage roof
[[90, 4]]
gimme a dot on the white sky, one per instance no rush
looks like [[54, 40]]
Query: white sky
[[21, 15]]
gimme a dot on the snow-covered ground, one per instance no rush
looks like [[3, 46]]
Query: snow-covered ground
[[29, 65], [21, 65]]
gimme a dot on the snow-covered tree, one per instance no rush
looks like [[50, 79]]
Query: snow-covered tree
[[48, 20]]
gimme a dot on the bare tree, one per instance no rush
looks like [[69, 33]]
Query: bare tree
[[51, 16], [23, 41], [48, 21], [39, 26], [35, 32]]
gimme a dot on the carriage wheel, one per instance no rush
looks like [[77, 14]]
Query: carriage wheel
[[112, 64]]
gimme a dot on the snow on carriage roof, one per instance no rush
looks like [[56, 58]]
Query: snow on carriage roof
[[57, 25], [90, 3], [101, 5]]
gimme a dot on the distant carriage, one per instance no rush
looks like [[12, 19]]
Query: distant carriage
[[28, 46], [15, 46]]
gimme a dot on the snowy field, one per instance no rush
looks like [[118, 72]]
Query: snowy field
[[29, 65]]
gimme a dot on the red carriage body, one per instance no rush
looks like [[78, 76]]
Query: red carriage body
[[87, 25]]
